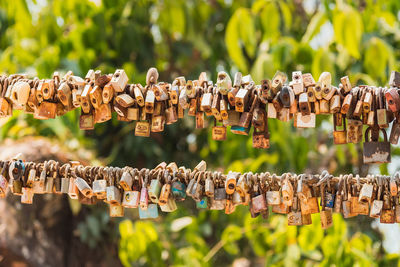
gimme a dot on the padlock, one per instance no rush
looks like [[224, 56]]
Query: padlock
[[334, 105], [86, 121], [345, 81], [277, 102], [261, 138], [192, 107], [395, 132], [142, 128], [387, 216], [100, 188], [308, 80], [178, 190], [273, 198], [202, 203], [165, 191], [242, 187], [367, 101], [393, 99], [16, 172], [144, 196], [304, 104], [218, 132], [151, 212], [381, 112], [131, 199], [394, 79], [84, 187], [116, 210], [224, 83], [304, 121], [281, 208], [3, 183], [27, 195], [95, 96], [354, 131], [247, 115], [366, 193], [271, 111], [287, 96], [326, 219], [157, 123], [64, 94], [20, 93], [72, 189], [377, 204], [169, 206], [126, 181], [119, 80], [46, 110], [155, 188], [209, 186], [277, 82], [287, 192], [346, 104], [200, 120], [295, 217], [297, 82], [215, 106], [375, 151], [339, 136]]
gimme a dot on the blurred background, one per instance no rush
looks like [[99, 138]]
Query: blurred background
[[358, 38]]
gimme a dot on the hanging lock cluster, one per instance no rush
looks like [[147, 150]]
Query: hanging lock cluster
[[298, 196], [239, 104]]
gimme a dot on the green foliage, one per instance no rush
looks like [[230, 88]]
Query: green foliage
[[354, 38], [184, 242]]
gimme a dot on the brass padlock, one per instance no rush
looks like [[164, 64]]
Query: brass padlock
[[126, 180], [218, 132], [165, 190], [346, 104], [308, 80], [377, 204], [304, 104], [388, 216], [394, 79], [381, 112], [116, 210], [119, 80], [278, 81], [224, 83], [295, 217], [297, 82], [169, 206], [339, 136], [287, 190], [142, 128], [16, 172], [354, 131], [325, 214], [304, 121], [230, 182], [346, 85]]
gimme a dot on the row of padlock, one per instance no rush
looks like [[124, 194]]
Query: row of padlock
[[298, 196], [240, 104]]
